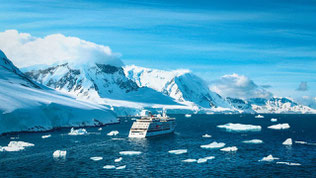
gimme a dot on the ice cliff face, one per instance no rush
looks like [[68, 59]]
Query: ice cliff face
[[28, 106]]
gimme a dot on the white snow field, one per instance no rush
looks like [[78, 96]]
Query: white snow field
[[279, 126], [130, 152], [232, 127], [177, 152], [269, 158], [253, 141], [213, 145], [289, 164], [78, 131], [206, 136], [109, 167], [16, 146], [113, 133], [28, 106], [96, 158], [229, 149], [288, 142], [59, 154], [118, 159], [46, 136]]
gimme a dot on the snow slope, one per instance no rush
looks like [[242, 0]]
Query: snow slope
[[28, 106]]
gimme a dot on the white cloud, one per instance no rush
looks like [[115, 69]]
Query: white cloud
[[26, 50], [238, 86]]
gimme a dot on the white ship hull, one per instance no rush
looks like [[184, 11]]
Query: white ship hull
[[145, 133]]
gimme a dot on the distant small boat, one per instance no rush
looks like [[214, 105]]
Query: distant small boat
[[259, 116], [188, 115]]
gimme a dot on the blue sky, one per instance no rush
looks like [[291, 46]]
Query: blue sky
[[271, 42]]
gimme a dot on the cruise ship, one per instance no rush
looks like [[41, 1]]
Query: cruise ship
[[152, 125]]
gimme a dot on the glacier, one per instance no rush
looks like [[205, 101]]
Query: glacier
[[28, 106]]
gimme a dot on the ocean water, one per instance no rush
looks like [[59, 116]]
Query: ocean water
[[155, 161]]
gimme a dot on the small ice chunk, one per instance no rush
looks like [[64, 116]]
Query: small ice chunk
[[269, 158], [96, 158], [288, 163], [280, 126], [231, 127], [112, 133], [121, 167], [77, 132], [46, 136], [201, 160], [59, 154], [177, 152], [259, 116], [16, 146], [304, 143], [229, 149], [189, 160], [274, 120], [253, 141], [14, 138], [213, 145], [288, 142], [108, 167], [118, 159], [130, 153], [206, 136], [99, 129]]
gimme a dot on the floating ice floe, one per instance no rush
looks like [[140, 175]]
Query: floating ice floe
[[14, 138], [96, 158], [188, 115], [206, 136], [304, 143], [280, 126], [189, 160], [288, 142], [46, 136], [121, 167], [229, 149], [118, 159], [274, 120], [288, 163], [268, 158], [112, 133], [259, 116], [201, 160], [130, 153], [16, 146], [213, 145], [99, 129], [59, 154], [253, 141], [108, 167], [77, 132], [231, 127], [177, 152]]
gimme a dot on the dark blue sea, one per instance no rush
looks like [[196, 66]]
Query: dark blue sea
[[155, 161]]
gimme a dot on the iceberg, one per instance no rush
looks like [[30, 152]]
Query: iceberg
[[288, 142], [280, 126], [177, 152], [268, 158], [206, 136], [118, 159], [231, 127], [288, 163], [96, 158], [59, 154], [201, 160], [213, 145], [189, 160], [16, 146], [229, 149], [121, 167], [274, 120], [99, 129], [77, 132], [46, 136], [112, 133], [108, 167], [130, 153], [253, 141]]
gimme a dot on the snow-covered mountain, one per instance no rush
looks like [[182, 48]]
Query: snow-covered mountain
[[278, 105], [28, 106], [242, 105], [181, 85]]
